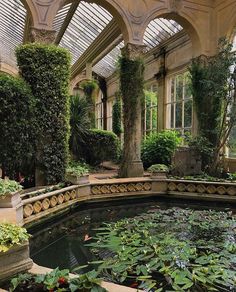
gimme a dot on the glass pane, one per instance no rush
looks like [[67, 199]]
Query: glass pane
[[188, 114], [179, 87], [172, 121], [148, 117], [178, 115], [187, 89], [154, 118], [172, 89], [232, 143]]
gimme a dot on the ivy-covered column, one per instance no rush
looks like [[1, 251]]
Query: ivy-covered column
[[131, 86]]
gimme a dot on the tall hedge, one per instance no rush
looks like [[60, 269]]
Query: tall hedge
[[116, 116], [17, 126], [99, 146], [46, 68]]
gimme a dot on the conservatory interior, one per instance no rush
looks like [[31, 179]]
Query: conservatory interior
[[118, 145]]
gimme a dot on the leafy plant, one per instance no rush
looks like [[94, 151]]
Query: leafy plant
[[57, 280], [213, 90], [174, 249], [46, 68], [158, 167], [8, 186], [10, 235], [90, 87], [77, 168], [79, 123], [87, 282], [158, 148], [18, 128]]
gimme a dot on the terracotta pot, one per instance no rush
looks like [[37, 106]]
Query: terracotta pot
[[14, 261], [77, 180], [10, 200]]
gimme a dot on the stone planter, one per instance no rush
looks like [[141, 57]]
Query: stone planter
[[77, 180], [10, 200], [14, 261], [159, 174]]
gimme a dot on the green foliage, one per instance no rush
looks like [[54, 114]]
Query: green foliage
[[57, 280], [204, 147], [116, 117], [158, 167], [170, 250], [158, 148], [89, 86], [8, 186], [79, 123], [46, 68], [212, 86], [99, 146], [87, 282], [17, 125], [77, 168], [10, 235]]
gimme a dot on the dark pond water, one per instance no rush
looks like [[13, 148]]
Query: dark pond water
[[63, 243]]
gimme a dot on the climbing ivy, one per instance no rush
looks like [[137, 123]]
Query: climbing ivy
[[213, 90], [131, 87], [116, 116], [89, 87], [46, 69], [17, 126]]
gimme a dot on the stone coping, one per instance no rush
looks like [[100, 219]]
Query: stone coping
[[201, 182], [111, 287], [49, 194]]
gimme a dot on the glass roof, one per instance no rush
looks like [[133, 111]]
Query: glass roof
[[12, 23], [159, 30], [107, 65], [86, 24]]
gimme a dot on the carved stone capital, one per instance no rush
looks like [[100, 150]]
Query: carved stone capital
[[42, 35], [133, 51], [175, 5]]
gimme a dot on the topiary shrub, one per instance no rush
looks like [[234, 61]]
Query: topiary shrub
[[158, 148], [46, 68], [100, 145], [17, 126]]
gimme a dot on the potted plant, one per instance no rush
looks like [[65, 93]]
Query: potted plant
[[158, 171], [9, 193], [14, 250], [77, 173]]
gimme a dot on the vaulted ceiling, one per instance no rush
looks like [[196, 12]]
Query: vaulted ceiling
[[87, 30]]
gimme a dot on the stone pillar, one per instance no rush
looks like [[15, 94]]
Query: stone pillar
[[132, 85], [42, 36], [89, 71]]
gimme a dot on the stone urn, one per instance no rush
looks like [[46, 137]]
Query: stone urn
[[158, 171], [10, 200], [14, 261], [76, 179]]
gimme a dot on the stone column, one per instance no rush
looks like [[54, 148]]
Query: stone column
[[42, 36], [132, 84]]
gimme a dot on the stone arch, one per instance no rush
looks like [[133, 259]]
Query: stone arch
[[185, 21], [110, 5], [30, 9], [79, 78]]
